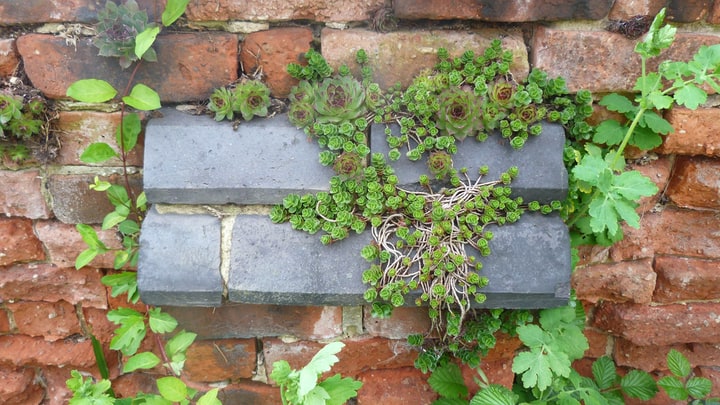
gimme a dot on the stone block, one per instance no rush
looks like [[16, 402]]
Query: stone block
[[180, 260], [193, 160], [542, 174]]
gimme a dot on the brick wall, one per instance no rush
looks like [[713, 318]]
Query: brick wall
[[657, 289]]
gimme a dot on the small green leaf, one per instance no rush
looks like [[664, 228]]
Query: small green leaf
[[85, 257], [144, 40], [90, 237], [97, 153], [340, 389], [618, 103], [690, 96], [125, 282], [173, 10], [674, 388], [129, 227], [639, 384], [111, 219], [209, 398], [179, 343], [698, 387], [609, 132], [447, 381], [144, 360], [320, 363], [161, 322], [91, 91], [678, 363], [495, 395], [659, 100], [172, 389], [281, 371], [130, 129], [143, 98], [657, 123], [603, 370]]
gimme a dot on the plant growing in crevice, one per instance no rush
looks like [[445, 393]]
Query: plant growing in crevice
[[119, 28], [250, 98]]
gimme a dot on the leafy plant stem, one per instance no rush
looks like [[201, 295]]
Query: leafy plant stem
[[123, 149]]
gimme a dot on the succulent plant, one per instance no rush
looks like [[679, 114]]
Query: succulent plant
[[221, 103], [349, 165], [340, 99], [117, 27], [301, 114], [304, 92], [440, 164], [373, 96], [459, 113], [252, 98], [501, 93]]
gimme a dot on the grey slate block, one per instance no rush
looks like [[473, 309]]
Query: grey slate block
[[195, 160], [542, 174], [179, 261], [529, 266]]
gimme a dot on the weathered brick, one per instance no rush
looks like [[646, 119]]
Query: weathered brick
[[41, 11], [601, 61], [56, 391], [626, 9], [49, 320], [220, 360], [684, 278], [629, 281], [696, 182], [592, 254], [714, 17], [357, 356], [9, 58], [400, 56], [502, 11], [269, 52], [657, 169], [21, 350], [64, 243], [78, 129], [673, 232], [697, 132], [598, 342], [75, 203], [395, 387], [677, 10], [5, 326], [18, 242], [19, 386], [652, 358], [128, 385], [279, 10], [46, 282], [249, 392], [248, 320], [660, 325], [21, 195], [404, 321], [688, 10], [189, 67]]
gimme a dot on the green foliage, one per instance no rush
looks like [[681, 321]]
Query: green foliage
[[682, 385], [250, 98], [21, 121], [301, 387], [118, 29]]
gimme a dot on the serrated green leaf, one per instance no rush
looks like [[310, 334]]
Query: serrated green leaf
[[645, 139], [618, 103], [316, 396], [125, 282], [660, 100], [209, 398], [97, 153], [531, 335], [91, 91], [131, 127], [144, 361], [698, 387], [639, 384], [609, 132], [674, 388], [633, 185], [450, 401], [129, 335], [85, 257], [447, 381], [535, 369], [604, 372], [657, 123], [603, 215], [678, 363], [658, 38], [143, 98], [690, 96], [592, 170], [281, 371], [320, 363], [172, 388], [494, 395], [161, 322], [340, 389], [648, 84], [145, 39], [173, 10]]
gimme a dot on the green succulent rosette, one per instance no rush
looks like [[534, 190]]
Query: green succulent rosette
[[459, 114], [301, 114], [252, 98], [116, 31], [340, 99], [221, 103]]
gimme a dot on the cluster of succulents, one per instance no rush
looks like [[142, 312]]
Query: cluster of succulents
[[250, 98], [19, 121], [117, 28]]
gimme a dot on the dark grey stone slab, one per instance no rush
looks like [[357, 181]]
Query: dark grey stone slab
[[195, 160], [529, 266], [542, 174], [179, 261]]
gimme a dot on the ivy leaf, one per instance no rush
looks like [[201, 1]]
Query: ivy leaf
[[161, 322], [674, 388], [340, 389], [172, 389], [320, 363], [144, 360], [173, 10], [609, 132], [603, 370], [698, 387], [448, 382], [97, 152], [91, 91], [494, 395], [145, 39], [639, 384], [618, 103], [690, 96], [143, 98]]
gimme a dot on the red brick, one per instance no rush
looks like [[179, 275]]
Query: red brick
[[404, 321], [601, 61], [249, 320], [714, 17], [696, 182], [189, 67], [49, 320], [658, 170], [64, 244], [400, 386], [357, 356], [279, 10], [74, 202], [592, 254], [631, 281], [661, 325], [652, 358], [21, 195], [56, 391], [598, 342], [220, 360], [400, 56], [249, 392], [18, 386], [697, 132], [128, 385], [672, 232], [271, 51], [505, 11], [41, 11], [78, 129], [5, 326], [684, 279], [625, 9], [46, 282], [18, 242], [497, 372], [20, 350], [9, 58], [677, 11], [98, 324], [505, 348]]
